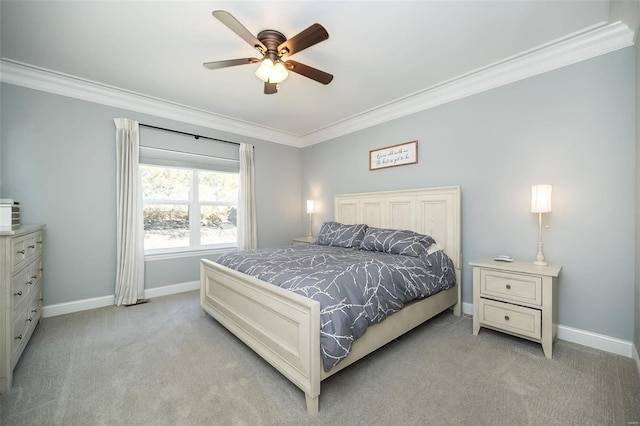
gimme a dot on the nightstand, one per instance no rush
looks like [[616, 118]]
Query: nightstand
[[303, 240], [518, 298]]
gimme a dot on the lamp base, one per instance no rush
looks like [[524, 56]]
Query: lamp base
[[540, 257]]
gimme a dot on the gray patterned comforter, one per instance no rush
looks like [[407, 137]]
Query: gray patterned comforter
[[355, 288]]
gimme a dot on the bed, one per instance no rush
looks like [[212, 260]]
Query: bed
[[284, 327]]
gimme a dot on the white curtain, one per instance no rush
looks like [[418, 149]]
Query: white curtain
[[247, 233], [129, 225]]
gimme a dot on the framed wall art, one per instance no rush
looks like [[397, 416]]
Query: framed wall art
[[394, 155]]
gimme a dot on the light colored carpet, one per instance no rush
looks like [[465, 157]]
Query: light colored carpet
[[163, 363]]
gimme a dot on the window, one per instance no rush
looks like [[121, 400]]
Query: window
[[188, 208]]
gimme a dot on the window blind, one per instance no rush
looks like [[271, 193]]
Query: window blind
[[176, 150]]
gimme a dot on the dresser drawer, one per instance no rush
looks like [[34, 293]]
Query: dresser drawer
[[25, 318], [35, 272], [20, 288], [25, 281], [513, 318], [25, 248], [35, 309], [20, 332], [511, 286]]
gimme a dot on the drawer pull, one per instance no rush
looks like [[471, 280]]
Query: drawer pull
[[28, 320], [21, 251], [33, 277], [506, 317], [18, 293], [29, 282], [33, 311], [508, 286], [33, 246], [18, 337]]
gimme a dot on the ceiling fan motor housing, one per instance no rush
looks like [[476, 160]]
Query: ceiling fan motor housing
[[272, 39]]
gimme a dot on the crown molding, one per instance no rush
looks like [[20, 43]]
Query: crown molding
[[591, 42], [588, 43], [32, 77]]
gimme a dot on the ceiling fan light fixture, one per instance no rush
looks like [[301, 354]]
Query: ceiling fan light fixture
[[264, 70], [273, 46], [279, 73], [271, 72]]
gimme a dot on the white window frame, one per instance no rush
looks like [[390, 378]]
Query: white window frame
[[193, 204]]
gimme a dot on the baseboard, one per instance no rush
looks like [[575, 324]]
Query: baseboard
[[636, 356], [467, 308], [167, 290], [586, 338], [595, 340], [101, 302], [76, 306]]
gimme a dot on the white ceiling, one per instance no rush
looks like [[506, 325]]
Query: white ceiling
[[380, 52]]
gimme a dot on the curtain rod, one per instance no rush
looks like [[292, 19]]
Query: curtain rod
[[185, 133]]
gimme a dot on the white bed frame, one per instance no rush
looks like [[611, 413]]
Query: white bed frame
[[284, 327]]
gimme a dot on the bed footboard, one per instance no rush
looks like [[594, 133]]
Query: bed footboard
[[279, 325]]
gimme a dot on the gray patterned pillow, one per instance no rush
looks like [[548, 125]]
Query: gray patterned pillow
[[338, 235], [396, 241]]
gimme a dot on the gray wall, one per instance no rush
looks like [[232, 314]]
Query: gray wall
[[573, 128], [637, 233], [58, 160]]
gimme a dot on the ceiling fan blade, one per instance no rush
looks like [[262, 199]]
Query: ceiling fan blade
[[270, 88], [230, 63], [309, 72], [307, 38], [234, 25]]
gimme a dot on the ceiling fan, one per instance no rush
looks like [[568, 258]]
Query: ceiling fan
[[274, 48]]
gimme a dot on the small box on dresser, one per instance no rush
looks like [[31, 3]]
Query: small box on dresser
[[20, 294], [9, 214], [518, 298]]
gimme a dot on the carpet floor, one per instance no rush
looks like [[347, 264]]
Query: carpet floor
[[163, 363]]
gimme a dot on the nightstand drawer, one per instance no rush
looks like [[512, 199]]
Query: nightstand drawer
[[511, 286], [517, 319]]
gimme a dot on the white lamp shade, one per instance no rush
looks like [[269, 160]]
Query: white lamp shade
[[271, 72], [541, 198], [264, 70], [279, 73], [310, 206]]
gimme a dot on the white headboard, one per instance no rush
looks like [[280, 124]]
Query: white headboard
[[431, 211]]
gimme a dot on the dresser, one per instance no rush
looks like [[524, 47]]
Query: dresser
[[518, 298], [20, 294]]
